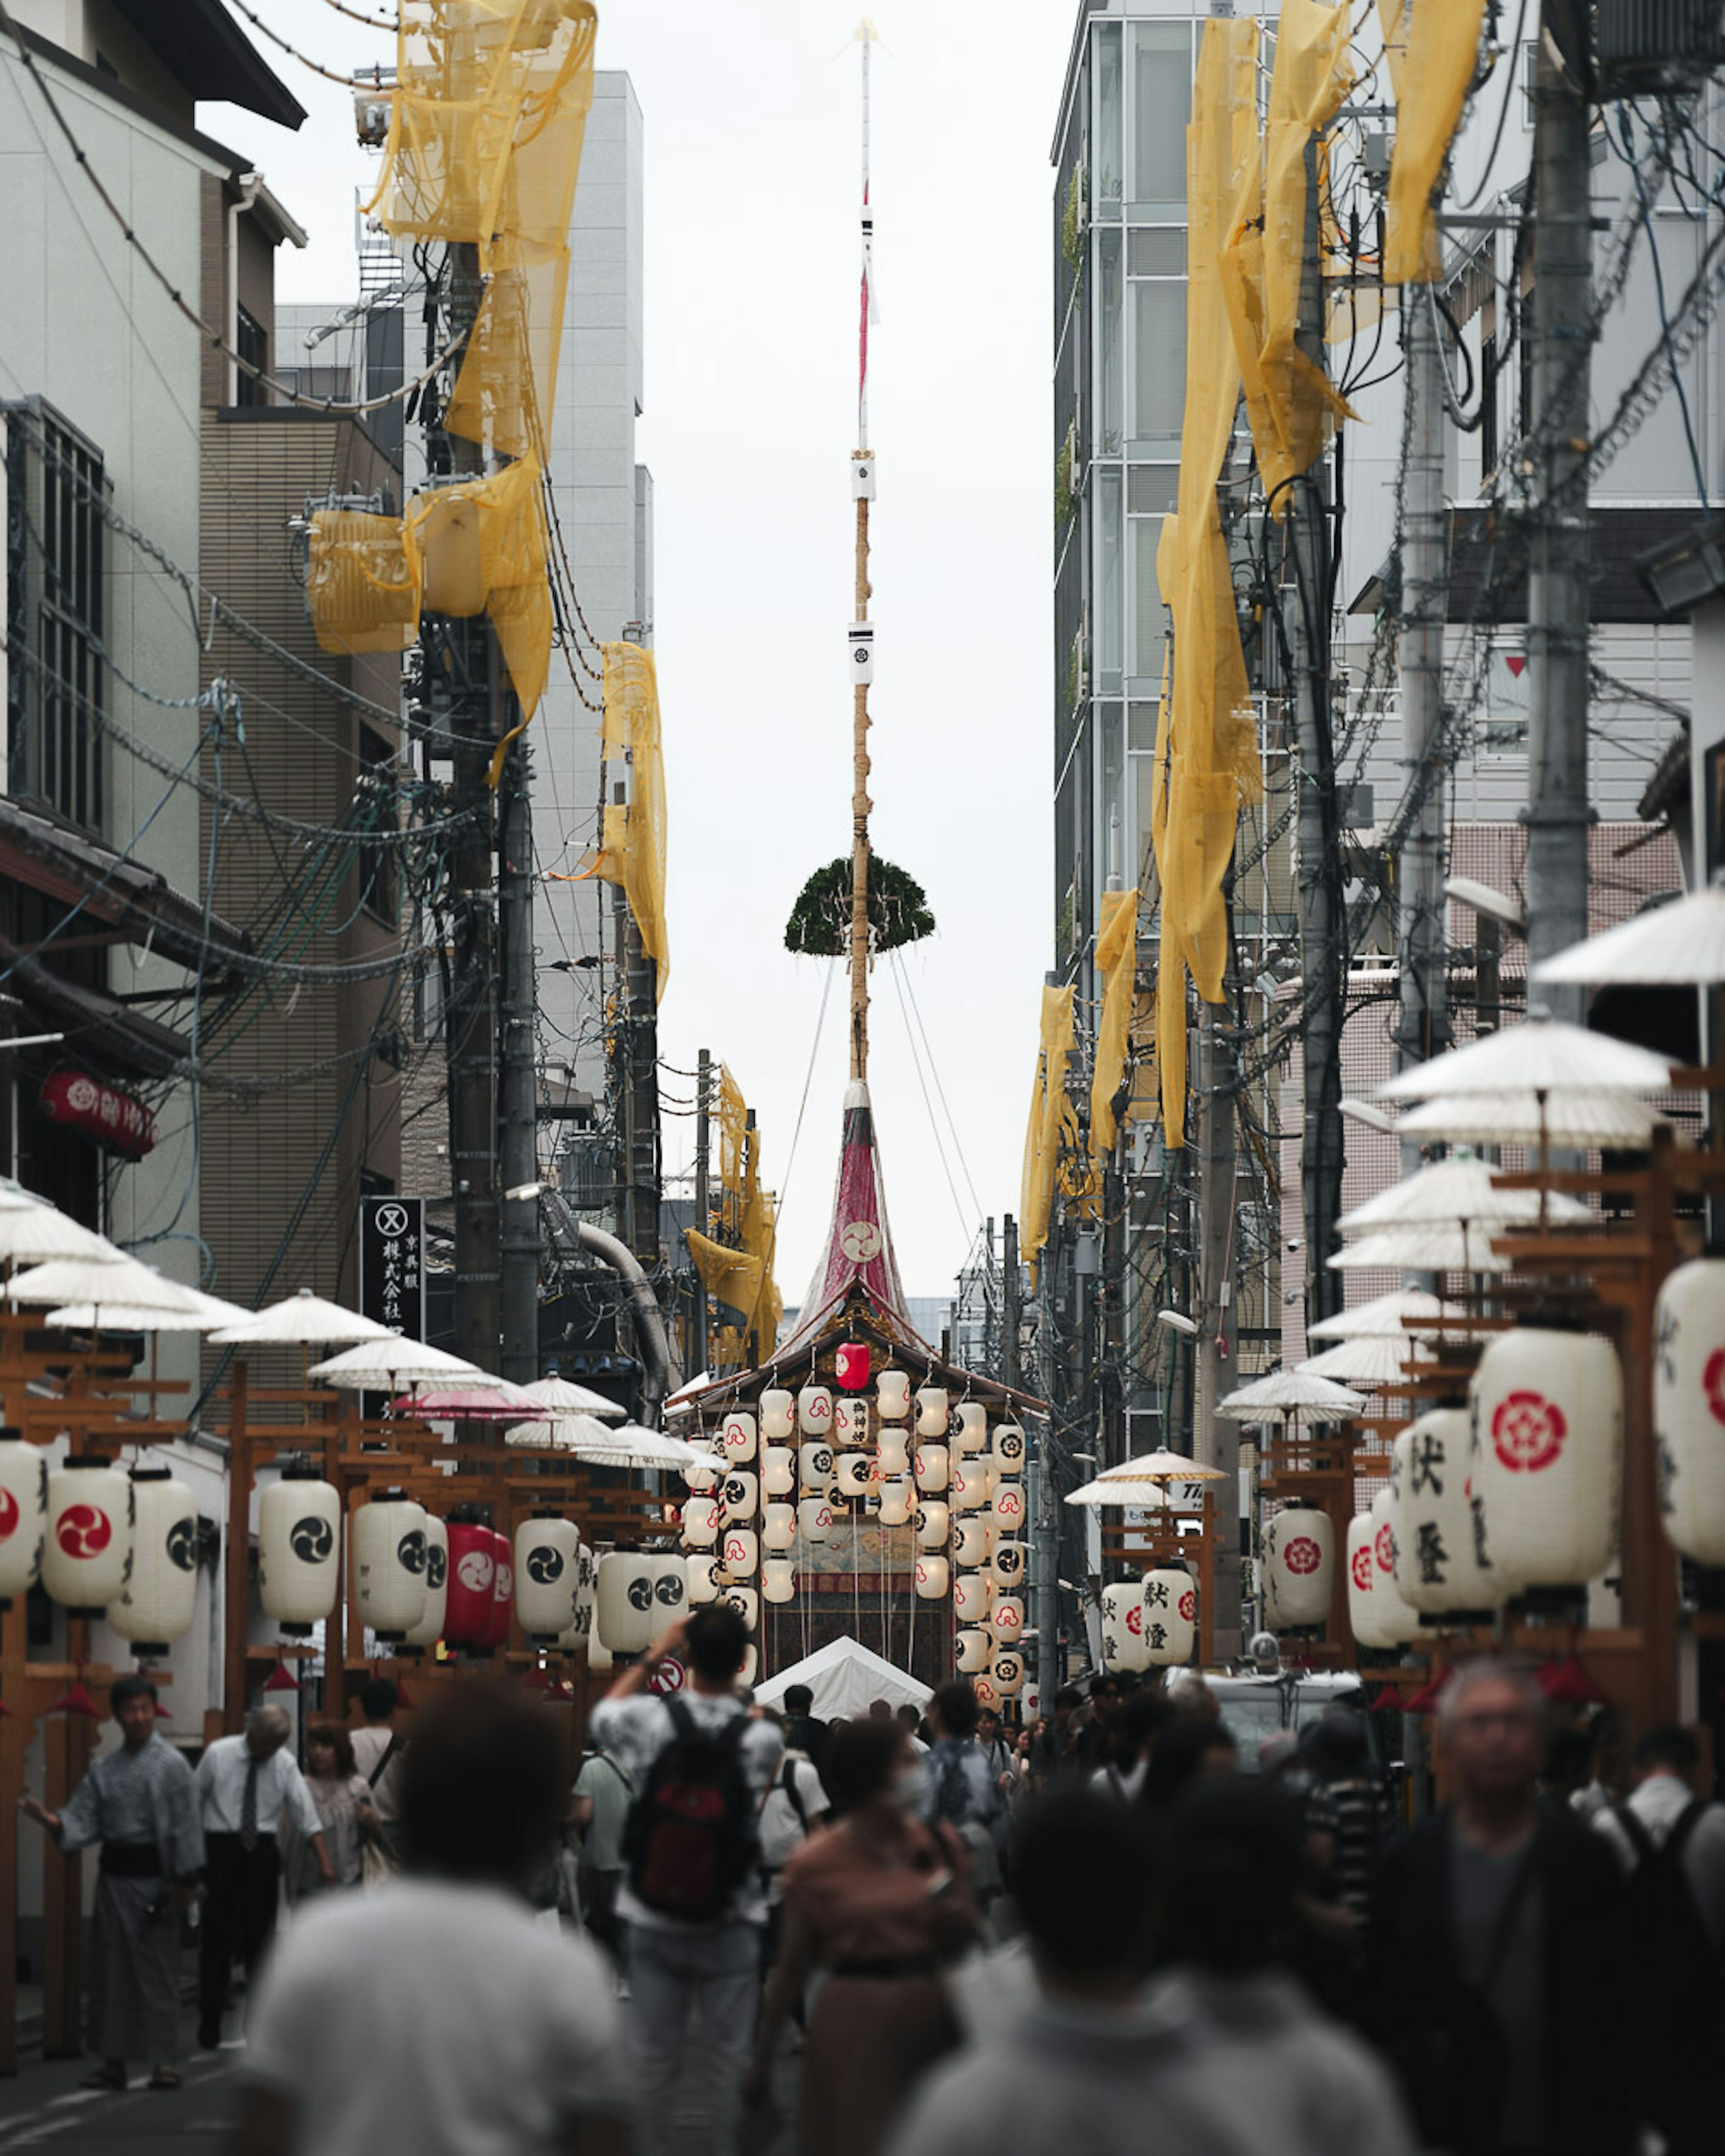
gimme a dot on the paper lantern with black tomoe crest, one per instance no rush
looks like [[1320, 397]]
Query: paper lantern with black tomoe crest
[[622, 1601], [1167, 1616], [969, 1426], [778, 1579], [298, 1550], [932, 1412], [933, 1575], [850, 1423], [429, 1630], [159, 1598], [814, 1520], [933, 1524], [1548, 1454], [1007, 1618], [779, 1415], [669, 1576], [547, 1553], [1122, 1616], [972, 1651], [472, 1581], [23, 1513], [1008, 1562], [779, 1472], [736, 1437], [1442, 1557], [1299, 1567], [742, 1498], [814, 1411], [778, 1526], [851, 1473], [700, 1522], [502, 1590], [1688, 1409], [892, 1395], [1008, 1672], [702, 1572], [746, 1601], [389, 1560], [89, 1548]]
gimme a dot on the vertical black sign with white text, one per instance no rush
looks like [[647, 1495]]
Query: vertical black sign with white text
[[391, 1263]]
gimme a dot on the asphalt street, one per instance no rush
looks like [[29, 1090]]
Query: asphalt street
[[42, 2107]]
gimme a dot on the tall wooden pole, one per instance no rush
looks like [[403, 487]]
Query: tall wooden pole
[[864, 488]]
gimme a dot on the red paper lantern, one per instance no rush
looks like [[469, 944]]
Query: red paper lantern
[[472, 1587], [850, 1365], [502, 1591]]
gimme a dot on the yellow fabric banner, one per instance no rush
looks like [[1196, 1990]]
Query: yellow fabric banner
[[1116, 969], [1442, 50], [1050, 1113], [632, 844]]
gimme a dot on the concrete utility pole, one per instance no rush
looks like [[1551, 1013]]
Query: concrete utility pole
[[1556, 815], [703, 1200], [635, 1079], [1322, 939], [1422, 1030], [517, 1104], [1215, 1439]]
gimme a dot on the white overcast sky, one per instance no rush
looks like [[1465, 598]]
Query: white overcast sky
[[751, 113]]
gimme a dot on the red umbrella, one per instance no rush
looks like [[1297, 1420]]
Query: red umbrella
[[1566, 1683], [281, 1678]]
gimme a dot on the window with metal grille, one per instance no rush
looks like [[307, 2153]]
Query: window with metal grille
[[57, 683]]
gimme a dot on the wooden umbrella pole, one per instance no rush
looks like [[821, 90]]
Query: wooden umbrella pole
[[860, 805]]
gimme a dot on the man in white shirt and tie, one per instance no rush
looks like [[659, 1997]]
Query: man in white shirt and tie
[[245, 1785]]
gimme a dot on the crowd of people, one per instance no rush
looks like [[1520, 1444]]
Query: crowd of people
[[917, 1932]]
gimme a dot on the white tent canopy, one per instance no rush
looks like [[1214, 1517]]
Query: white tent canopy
[[845, 1677]]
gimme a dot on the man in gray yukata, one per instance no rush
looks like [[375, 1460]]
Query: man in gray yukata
[[138, 1802]]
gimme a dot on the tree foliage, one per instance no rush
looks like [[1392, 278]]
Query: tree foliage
[[819, 926]]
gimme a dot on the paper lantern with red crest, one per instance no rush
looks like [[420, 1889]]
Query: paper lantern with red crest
[[1689, 1408], [1299, 1568], [1122, 1616], [933, 1576], [472, 1588], [88, 1551], [1442, 1555], [736, 1437], [892, 1395], [814, 1412], [502, 1591], [1548, 1455], [1167, 1616], [23, 1513], [850, 1365], [779, 1415]]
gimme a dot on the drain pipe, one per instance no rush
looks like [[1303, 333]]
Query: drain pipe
[[649, 1324]]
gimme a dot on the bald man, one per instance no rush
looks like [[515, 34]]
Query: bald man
[[244, 1785]]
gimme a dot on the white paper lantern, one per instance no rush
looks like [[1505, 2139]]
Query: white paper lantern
[[700, 1522], [933, 1524], [934, 1467], [851, 1472], [736, 1437], [814, 1520], [778, 1579], [23, 1514], [751, 1666], [814, 1411], [1008, 1672], [850, 1422], [547, 1561], [1122, 1627], [1688, 1409], [932, 1577], [778, 1526], [986, 1693], [429, 1630], [1438, 1522], [702, 1574], [299, 1550], [1548, 1456], [893, 1453], [814, 1471], [973, 1540], [157, 1605], [972, 1593], [1007, 1506], [623, 1602], [741, 1497], [388, 1564], [898, 1495], [1299, 1568], [704, 1476], [669, 1576], [1007, 1620], [1376, 1611], [892, 1395], [1008, 1562], [972, 1651], [87, 1550], [968, 1426], [746, 1601], [778, 1470], [1167, 1619], [779, 1415], [740, 1553], [968, 1489], [1008, 1453], [932, 1411]]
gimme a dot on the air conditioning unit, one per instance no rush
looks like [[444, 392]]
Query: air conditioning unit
[[1647, 47]]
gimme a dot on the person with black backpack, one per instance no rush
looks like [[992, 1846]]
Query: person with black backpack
[[1672, 1843], [693, 1898]]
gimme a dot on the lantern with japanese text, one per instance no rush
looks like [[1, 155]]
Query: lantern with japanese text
[[850, 1423], [388, 1564], [969, 1426], [1299, 1568], [778, 1470], [932, 1412], [778, 1526], [87, 1550], [1123, 1625], [429, 1630], [157, 1605], [1688, 1408], [472, 1581], [892, 1395], [23, 1514], [779, 1415], [933, 1524], [622, 1601], [778, 1579], [1008, 1562], [737, 1438], [700, 1522], [814, 1520], [1548, 1455], [1442, 1560], [547, 1558], [814, 1411], [973, 1650], [850, 1364], [1168, 1616], [933, 1576]]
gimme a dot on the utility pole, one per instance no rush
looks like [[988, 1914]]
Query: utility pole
[[518, 1104], [1045, 1530], [1423, 1030], [1111, 1363], [1556, 815], [1216, 1440], [634, 1078], [703, 1202], [1322, 938]]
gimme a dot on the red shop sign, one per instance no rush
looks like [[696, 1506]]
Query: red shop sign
[[116, 1120]]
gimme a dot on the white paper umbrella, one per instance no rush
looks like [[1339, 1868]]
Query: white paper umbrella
[[301, 1320], [564, 1433], [1457, 1192], [1610, 1120], [101, 1285], [1678, 945], [396, 1360], [634, 1445], [1407, 1310], [1540, 1056], [1291, 1396], [204, 1313], [461, 1399], [1139, 1481], [567, 1398], [31, 1234], [1374, 1359], [1424, 1251]]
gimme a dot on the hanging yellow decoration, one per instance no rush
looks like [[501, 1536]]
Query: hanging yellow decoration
[[1116, 969], [1437, 49], [631, 848]]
